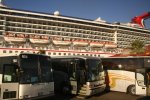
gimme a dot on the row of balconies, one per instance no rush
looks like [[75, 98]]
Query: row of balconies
[[58, 28], [50, 32], [131, 39], [129, 32], [57, 33], [90, 37], [132, 36], [32, 20], [26, 45], [133, 31], [125, 44], [96, 37]]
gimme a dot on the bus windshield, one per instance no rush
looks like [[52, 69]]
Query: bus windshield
[[37, 71], [94, 69]]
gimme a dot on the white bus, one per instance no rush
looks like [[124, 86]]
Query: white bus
[[128, 74], [83, 76], [26, 76]]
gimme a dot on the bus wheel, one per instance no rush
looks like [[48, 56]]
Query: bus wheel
[[131, 89]]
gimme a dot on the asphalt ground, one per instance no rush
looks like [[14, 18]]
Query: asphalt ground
[[102, 96]]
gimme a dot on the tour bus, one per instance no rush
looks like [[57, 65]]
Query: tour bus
[[79, 75], [128, 74], [26, 76]]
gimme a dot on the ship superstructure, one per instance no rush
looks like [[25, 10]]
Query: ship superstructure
[[28, 31]]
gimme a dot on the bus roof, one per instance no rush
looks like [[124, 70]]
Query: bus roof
[[129, 57], [8, 55], [83, 57], [33, 54]]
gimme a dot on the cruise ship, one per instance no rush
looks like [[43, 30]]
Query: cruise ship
[[30, 31]]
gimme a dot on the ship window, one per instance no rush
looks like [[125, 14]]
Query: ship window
[[73, 54], [4, 51], [49, 53], [59, 53], [90, 54], [54, 53], [98, 55], [16, 51], [69, 53], [10, 51], [0, 33], [86, 54], [64, 53]]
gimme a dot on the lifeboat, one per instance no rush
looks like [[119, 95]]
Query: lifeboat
[[39, 39], [78, 42], [110, 45], [61, 41], [96, 44], [12, 37]]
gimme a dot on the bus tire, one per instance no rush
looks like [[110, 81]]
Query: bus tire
[[131, 89]]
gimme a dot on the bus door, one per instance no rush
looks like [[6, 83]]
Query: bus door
[[140, 86], [81, 75], [10, 85], [73, 77], [148, 81], [78, 76]]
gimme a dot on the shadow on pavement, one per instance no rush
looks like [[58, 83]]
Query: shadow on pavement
[[144, 98], [59, 97], [70, 97]]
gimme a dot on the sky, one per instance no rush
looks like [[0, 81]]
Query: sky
[[109, 10]]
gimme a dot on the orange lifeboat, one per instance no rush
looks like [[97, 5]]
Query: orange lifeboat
[[61, 41], [110, 45], [12, 37], [96, 44], [80, 42], [39, 39]]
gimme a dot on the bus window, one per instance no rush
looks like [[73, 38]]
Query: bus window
[[147, 62], [80, 64], [72, 70], [30, 74], [94, 69], [10, 73], [46, 69], [113, 64]]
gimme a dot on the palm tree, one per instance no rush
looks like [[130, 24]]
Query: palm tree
[[41, 52], [137, 47]]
